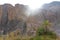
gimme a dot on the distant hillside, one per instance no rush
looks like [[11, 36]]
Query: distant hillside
[[51, 12], [54, 3]]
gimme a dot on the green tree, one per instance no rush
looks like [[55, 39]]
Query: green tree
[[46, 24], [44, 31]]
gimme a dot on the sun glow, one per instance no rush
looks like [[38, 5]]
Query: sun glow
[[33, 4]]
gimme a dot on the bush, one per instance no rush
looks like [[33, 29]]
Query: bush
[[18, 39], [31, 39], [41, 33]]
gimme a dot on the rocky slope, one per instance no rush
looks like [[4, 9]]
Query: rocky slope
[[51, 12]]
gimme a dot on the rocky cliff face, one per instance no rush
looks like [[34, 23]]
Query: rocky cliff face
[[11, 17]]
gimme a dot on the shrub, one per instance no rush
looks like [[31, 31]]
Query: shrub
[[40, 31], [18, 39], [31, 39]]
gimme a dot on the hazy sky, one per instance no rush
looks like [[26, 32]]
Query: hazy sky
[[33, 4]]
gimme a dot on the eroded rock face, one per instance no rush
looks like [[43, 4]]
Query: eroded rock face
[[20, 11], [0, 13], [11, 17]]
